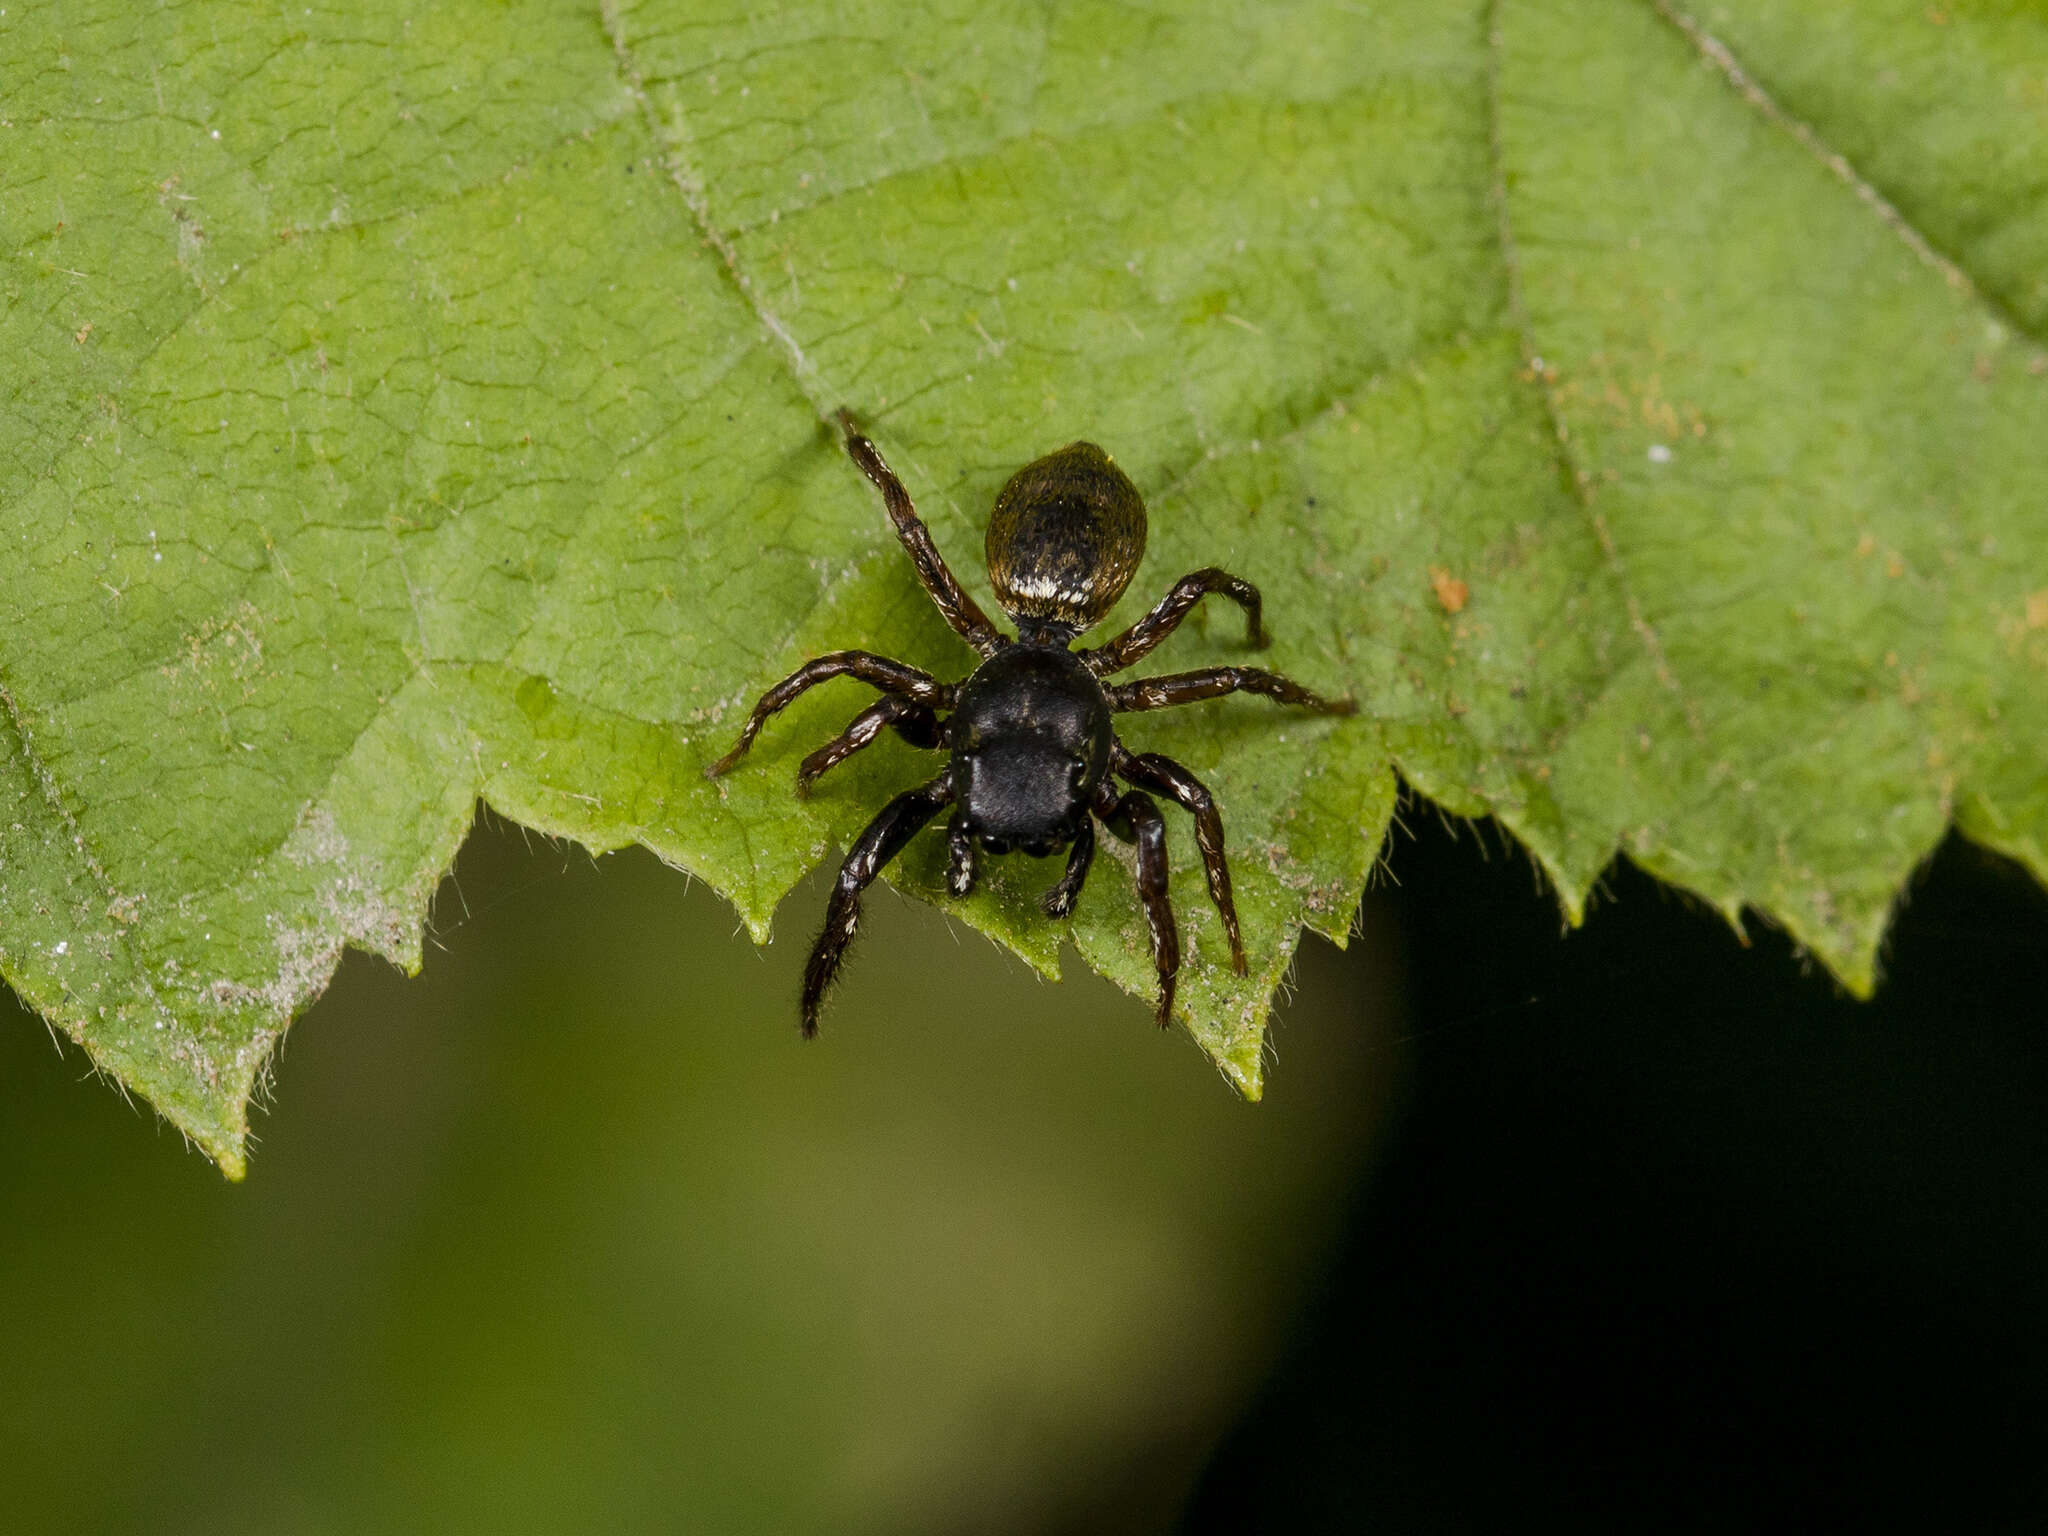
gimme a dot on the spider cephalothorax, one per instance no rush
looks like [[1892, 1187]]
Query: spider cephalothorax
[[1033, 762]]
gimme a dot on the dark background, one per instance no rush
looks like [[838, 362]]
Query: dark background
[[1633, 1227], [1673, 1235]]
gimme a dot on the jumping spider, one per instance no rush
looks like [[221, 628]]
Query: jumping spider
[[1032, 752]]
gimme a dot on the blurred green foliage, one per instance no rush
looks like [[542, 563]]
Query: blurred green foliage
[[573, 1233]]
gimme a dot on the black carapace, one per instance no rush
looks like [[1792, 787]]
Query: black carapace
[[1032, 755]]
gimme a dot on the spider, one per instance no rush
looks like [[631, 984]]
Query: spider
[[1032, 755]]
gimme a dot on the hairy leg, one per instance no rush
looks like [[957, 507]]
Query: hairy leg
[[1137, 642], [1059, 901], [960, 610], [1135, 818], [876, 671], [1164, 774], [1213, 683], [913, 721], [900, 820]]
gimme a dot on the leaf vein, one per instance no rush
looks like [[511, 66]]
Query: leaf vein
[[690, 183], [1746, 85], [1576, 476]]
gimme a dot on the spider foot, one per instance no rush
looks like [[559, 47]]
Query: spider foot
[[1164, 1016]]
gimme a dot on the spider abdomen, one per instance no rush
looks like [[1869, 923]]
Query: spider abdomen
[[1065, 538]]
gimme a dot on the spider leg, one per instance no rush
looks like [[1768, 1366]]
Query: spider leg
[[1137, 642], [1213, 683], [960, 610], [960, 861], [876, 671], [899, 821], [1135, 818], [913, 721], [1059, 901], [1164, 774]]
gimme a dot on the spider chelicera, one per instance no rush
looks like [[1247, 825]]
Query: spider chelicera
[[1032, 753]]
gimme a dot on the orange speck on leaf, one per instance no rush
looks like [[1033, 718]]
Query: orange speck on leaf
[[1450, 591]]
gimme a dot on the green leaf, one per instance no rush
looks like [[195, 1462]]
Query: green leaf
[[1640, 414]]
